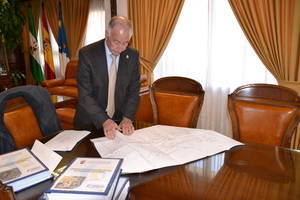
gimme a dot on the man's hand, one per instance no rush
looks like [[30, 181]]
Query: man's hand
[[109, 128], [126, 126]]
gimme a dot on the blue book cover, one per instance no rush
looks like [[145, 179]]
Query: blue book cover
[[87, 178], [22, 169]]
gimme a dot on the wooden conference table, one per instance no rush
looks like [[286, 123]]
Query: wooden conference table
[[249, 171]]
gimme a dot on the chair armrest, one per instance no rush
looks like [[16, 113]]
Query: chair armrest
[[71, 82], [53, 82]]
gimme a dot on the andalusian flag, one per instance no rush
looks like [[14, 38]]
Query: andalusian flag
[[36, 69], [64, 55], [49, 65]]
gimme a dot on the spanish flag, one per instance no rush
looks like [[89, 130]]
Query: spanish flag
[[49, 65]]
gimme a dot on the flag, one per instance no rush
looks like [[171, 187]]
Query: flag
[[64, 55], [35, 66], [49, 65]]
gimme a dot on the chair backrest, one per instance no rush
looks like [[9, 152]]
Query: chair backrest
[[144, 115], [70, 74], [264, 113], [21, 125], [176, 101]]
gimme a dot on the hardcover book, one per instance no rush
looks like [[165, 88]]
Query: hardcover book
[[87, 178], [121, 189], [22, 169]]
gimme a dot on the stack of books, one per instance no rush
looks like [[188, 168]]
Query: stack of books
[[121, 189], [89, 178], [22, 169]]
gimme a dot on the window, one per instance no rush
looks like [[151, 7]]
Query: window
[[208, 45]]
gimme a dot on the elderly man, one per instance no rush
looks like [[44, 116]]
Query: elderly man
[[108, 82]]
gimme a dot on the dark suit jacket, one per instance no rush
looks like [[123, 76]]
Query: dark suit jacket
[[92, 81]]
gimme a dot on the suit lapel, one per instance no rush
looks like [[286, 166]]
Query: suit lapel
[[101, 65], [122, 68], [122, 75]]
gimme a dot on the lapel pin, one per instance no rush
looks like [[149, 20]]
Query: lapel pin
[[127, 56]]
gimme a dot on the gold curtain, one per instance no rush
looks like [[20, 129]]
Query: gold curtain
[[153, 24], [75, 15], [26, 46], [273, 30], [51, 11], [35, 4]]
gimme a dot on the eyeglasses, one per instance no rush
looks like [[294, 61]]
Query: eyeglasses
[[119, 43]]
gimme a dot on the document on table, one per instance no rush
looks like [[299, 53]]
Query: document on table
[[162, 146], [66, 140], [46, 155]]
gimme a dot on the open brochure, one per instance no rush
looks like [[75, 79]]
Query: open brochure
[[87, 178], [22, 169]]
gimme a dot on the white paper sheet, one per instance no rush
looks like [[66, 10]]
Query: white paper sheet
[[161, 146], [46, 155], [66, 140]]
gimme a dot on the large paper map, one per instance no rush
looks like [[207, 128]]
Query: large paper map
[[161, 146]]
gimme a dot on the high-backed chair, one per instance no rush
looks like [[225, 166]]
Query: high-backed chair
[[176, 101], [34, 119], [264, 113], [144, 114], [66, 86]]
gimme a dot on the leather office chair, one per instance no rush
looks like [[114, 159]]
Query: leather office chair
[[67, 86], [144, 114], [176, 101], [264, 113], [27, 113]]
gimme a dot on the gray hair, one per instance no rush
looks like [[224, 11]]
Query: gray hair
[[119, 20]]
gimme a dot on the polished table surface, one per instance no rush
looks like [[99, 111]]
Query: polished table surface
[[248, 171]]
